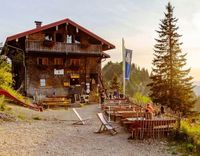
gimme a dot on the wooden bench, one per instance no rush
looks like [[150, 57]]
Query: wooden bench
[[55, 102]]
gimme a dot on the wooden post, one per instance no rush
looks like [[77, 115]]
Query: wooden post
[[85, 72]]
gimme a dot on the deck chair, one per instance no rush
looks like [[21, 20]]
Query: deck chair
[[105, 125], [81, 121]]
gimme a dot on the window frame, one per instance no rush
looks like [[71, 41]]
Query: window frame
[[43, 61], [58, 61]]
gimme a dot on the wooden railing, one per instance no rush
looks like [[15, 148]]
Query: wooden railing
[[51, 46]]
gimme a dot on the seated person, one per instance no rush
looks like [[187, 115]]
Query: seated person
[[149, 112], [148, 115], [149, 108]]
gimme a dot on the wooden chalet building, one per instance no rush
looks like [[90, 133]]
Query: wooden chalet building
[[56, 59]]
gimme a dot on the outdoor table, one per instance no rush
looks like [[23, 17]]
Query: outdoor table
[[112, 107], [128, 114], [117, 101]]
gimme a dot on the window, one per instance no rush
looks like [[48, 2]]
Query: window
[[59, 37], [42, 61], [58, 61], [48, 37], [75, 62], [69, 38], [77, 42], [42, 82]]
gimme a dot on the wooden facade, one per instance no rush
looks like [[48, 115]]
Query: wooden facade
[[57, 59]]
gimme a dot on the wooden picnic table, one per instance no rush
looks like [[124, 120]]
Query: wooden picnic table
[[128, 114], [106, 106], [117, 100], [149, 127], [124, 114], [123, 107]]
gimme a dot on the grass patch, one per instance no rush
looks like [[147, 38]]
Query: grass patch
[[21, 117], [36, 118], [3, 105], [187, 141]]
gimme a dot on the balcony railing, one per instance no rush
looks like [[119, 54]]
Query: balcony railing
[[51, 46]]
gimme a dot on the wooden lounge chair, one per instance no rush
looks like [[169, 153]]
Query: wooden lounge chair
[[81, 121], [105, 125]]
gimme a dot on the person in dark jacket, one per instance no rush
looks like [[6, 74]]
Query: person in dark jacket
[[102, 96]]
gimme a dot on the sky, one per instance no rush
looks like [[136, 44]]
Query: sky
[[133, 20]]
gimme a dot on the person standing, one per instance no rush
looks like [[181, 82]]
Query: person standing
[[115, 94], [102, 96], [162, 110]]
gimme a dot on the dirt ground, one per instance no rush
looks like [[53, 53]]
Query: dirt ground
[[53, 134]]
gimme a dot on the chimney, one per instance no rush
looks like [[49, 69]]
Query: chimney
[[38, 24]]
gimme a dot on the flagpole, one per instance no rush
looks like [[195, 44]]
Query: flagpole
[[123, 57]]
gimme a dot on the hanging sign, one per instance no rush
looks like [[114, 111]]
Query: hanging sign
[[58, 71], [75, 76]]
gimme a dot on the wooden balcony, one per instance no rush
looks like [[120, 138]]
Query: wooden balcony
[[60, 47]]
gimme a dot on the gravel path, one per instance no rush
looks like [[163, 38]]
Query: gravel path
[[56, 136]]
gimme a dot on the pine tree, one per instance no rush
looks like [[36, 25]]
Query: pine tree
[[171, 86], [115, 83]]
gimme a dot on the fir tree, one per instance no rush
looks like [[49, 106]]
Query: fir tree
[[115, 83], [171, 86]]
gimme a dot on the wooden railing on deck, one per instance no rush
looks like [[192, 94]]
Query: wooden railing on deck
[[51, 46]]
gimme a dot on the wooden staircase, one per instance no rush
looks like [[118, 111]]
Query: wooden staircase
[[55, 102]]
